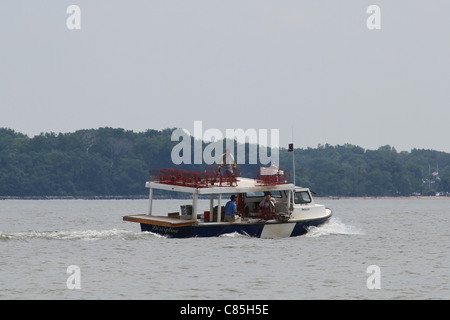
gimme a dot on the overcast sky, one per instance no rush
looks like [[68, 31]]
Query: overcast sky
[[311, 65]]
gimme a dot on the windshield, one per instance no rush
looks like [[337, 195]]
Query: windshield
[[302, 197], [255, 194]]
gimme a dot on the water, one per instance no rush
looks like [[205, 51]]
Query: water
[[409, 240]]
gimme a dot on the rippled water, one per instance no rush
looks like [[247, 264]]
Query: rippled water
[[409, 240]]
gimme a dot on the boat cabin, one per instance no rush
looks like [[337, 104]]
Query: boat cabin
[[249, 192]]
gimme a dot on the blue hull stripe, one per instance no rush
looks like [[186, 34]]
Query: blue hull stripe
[[214, 230]]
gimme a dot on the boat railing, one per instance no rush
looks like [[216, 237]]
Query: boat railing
[[211, 176], [180, 177], [216, 176], [224, 177]]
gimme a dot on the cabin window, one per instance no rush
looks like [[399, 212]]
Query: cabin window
[[259, 194], [302, 197]]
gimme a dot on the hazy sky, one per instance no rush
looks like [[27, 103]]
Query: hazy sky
[[312, 65]]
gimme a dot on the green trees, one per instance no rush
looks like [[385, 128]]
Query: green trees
[[111, 162], [349, 170], [84, 163]]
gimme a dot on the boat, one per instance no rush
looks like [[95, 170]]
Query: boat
[[294, 212]]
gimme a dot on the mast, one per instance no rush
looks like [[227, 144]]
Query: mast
[[293, 154]]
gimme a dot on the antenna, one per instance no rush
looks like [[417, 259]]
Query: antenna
[[293, 154]]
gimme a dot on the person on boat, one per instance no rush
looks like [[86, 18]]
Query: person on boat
[[230, 209], [227, 164], [267, 206]]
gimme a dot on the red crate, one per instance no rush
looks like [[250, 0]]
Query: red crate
[[268, 176]]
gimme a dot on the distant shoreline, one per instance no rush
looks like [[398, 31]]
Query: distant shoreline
[[141, 197], [74, 197], [386, 198]]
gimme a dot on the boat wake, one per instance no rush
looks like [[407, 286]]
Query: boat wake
[[234, 235], [78, 235], [333, 226]]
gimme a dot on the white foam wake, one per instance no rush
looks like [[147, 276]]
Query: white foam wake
[[234, 235], [333, 226], [76, 235]]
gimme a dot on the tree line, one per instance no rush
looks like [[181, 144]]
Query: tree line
[[117, 162]]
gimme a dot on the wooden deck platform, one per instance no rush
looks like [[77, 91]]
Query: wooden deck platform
[[159, 220]]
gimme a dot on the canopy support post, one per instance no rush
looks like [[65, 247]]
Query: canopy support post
[[194, 205], [211, 207], [288, 204], [219, 209], [150, 196]]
